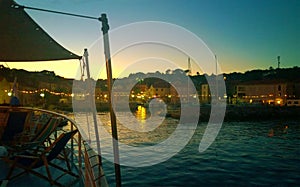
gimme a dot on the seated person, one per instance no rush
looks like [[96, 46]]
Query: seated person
[[14, 101]]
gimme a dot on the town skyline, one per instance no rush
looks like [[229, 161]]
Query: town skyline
[[166, 71], [48, 83]]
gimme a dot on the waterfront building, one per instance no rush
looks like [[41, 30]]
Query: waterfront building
[[266, 92], [5, 91], [159, 89], [205, 94], [212, 90]]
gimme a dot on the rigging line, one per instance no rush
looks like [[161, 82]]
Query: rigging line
[[7, 65], [56, 12], [82, 68], [88, 126]]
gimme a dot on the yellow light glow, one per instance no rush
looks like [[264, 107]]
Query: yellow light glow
[[141, 113]]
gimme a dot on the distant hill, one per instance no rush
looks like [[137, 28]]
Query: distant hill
[[284, 74], [27, 79], [32, 79]]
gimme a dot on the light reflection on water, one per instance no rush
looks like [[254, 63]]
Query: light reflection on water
[[243, 154], [141, 113], [131, 137]]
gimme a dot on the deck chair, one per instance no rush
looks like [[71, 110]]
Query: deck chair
[[29, 161], [39, 138], [3, 120], [15, 124], [39, 122]]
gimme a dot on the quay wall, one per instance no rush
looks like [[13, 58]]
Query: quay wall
[[254, 113]]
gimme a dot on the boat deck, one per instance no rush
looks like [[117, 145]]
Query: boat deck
[[28, 179], [83, 160]]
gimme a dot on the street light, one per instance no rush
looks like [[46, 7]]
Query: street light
[[43, 97]]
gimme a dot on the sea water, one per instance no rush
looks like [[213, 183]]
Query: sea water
[[244, 153]]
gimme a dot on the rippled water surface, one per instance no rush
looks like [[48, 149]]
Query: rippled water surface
[[244, 153]]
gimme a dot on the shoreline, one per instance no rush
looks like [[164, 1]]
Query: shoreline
[[232, 113], [247, 113]]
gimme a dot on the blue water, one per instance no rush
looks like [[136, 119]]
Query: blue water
[[243, 154]]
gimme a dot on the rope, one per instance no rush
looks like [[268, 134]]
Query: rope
[[56, 12]]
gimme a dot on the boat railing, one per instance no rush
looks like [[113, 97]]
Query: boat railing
[[83, 157]]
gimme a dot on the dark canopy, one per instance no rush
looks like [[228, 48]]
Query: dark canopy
[[21, 39]]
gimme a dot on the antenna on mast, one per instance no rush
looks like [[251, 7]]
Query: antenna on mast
[[217, 86], [278, 61]]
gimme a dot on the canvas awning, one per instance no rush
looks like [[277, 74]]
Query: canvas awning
[[23, 40]]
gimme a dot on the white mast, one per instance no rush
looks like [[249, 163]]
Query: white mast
[[189, 66]]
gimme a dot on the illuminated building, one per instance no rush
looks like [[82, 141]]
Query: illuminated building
[[266, 92]]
